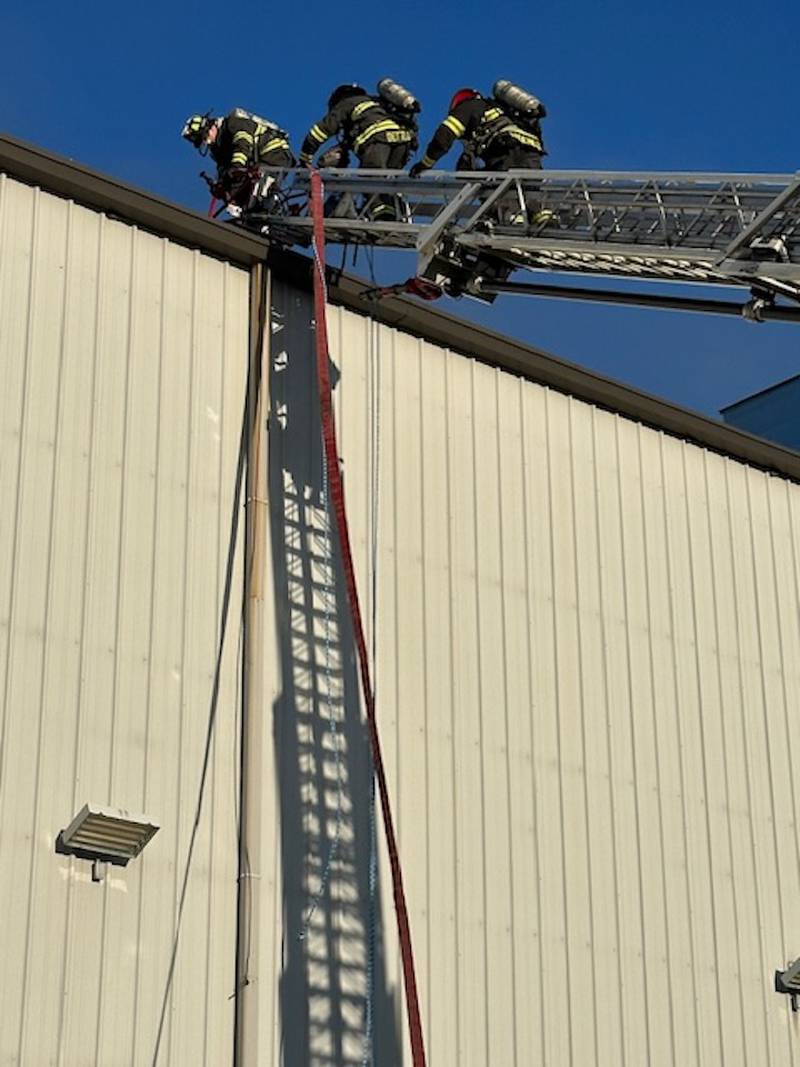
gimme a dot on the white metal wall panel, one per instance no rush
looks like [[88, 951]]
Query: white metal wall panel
[[588, 659], [123, 368], [588, 650]]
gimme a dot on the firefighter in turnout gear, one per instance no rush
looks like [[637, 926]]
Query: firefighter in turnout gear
[[239, 144], [502, 137], [381, 135]]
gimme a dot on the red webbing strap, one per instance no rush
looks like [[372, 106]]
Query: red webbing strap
[[337, 497]]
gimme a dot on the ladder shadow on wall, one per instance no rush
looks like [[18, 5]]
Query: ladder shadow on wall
[[323, 800]]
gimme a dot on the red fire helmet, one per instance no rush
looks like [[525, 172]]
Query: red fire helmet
[[461, 96]]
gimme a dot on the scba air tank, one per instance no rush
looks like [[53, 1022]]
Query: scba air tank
[[512, 95], [397, 95], [240, 113]]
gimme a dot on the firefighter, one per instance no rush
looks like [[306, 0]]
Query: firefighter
[[238, 144], [497, 135], [370, 126]]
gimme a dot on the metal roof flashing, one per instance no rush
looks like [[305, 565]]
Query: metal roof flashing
[[64, 177]]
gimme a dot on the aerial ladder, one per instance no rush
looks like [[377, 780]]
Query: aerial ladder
[[739, 231]]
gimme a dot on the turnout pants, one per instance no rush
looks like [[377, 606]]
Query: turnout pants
[[377, 155], [511, 155]]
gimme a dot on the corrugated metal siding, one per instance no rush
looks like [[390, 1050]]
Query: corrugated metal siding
[[122, 374], [588, 653], [588, 660]]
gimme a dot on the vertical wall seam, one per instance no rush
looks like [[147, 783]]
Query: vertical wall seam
[[156, 475], [399, 985], [601, 592], [531, 672], [746, 746], [425, 691], [654, 710], [479, 688], [681, 760], [70, 209], [725, 761], [507, 732], [579, 650], [557, 709], [634, 760], [703, 749], [23, 431], [448, 357]]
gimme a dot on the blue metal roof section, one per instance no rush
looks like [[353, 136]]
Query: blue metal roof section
[[773, 413]]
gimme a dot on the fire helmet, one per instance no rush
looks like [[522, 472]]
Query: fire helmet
[[196, 128], [461, 96], [341, 92]]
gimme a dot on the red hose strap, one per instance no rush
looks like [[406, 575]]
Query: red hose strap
[[337, 497]]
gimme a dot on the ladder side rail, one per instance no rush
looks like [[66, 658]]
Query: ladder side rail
[[791, 194], [430, 236]]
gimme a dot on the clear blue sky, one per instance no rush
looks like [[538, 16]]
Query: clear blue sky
[[629, 86]]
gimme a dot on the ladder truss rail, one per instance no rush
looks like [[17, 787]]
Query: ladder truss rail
[[717, 229]]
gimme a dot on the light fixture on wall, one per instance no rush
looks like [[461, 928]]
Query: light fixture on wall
[[105, 835], [788, 982]]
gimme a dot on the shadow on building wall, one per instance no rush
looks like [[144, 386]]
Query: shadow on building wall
[[321, 744]]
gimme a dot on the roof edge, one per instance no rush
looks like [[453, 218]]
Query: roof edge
[[64, 177]]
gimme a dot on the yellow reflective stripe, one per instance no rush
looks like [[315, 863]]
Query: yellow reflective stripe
[[427, 161], [243, 135], [276, 142], [359, 109], [491, 114], [317, 133], [306, 157], [523, 136], [377, 127], [238, 158], [455, 125]]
